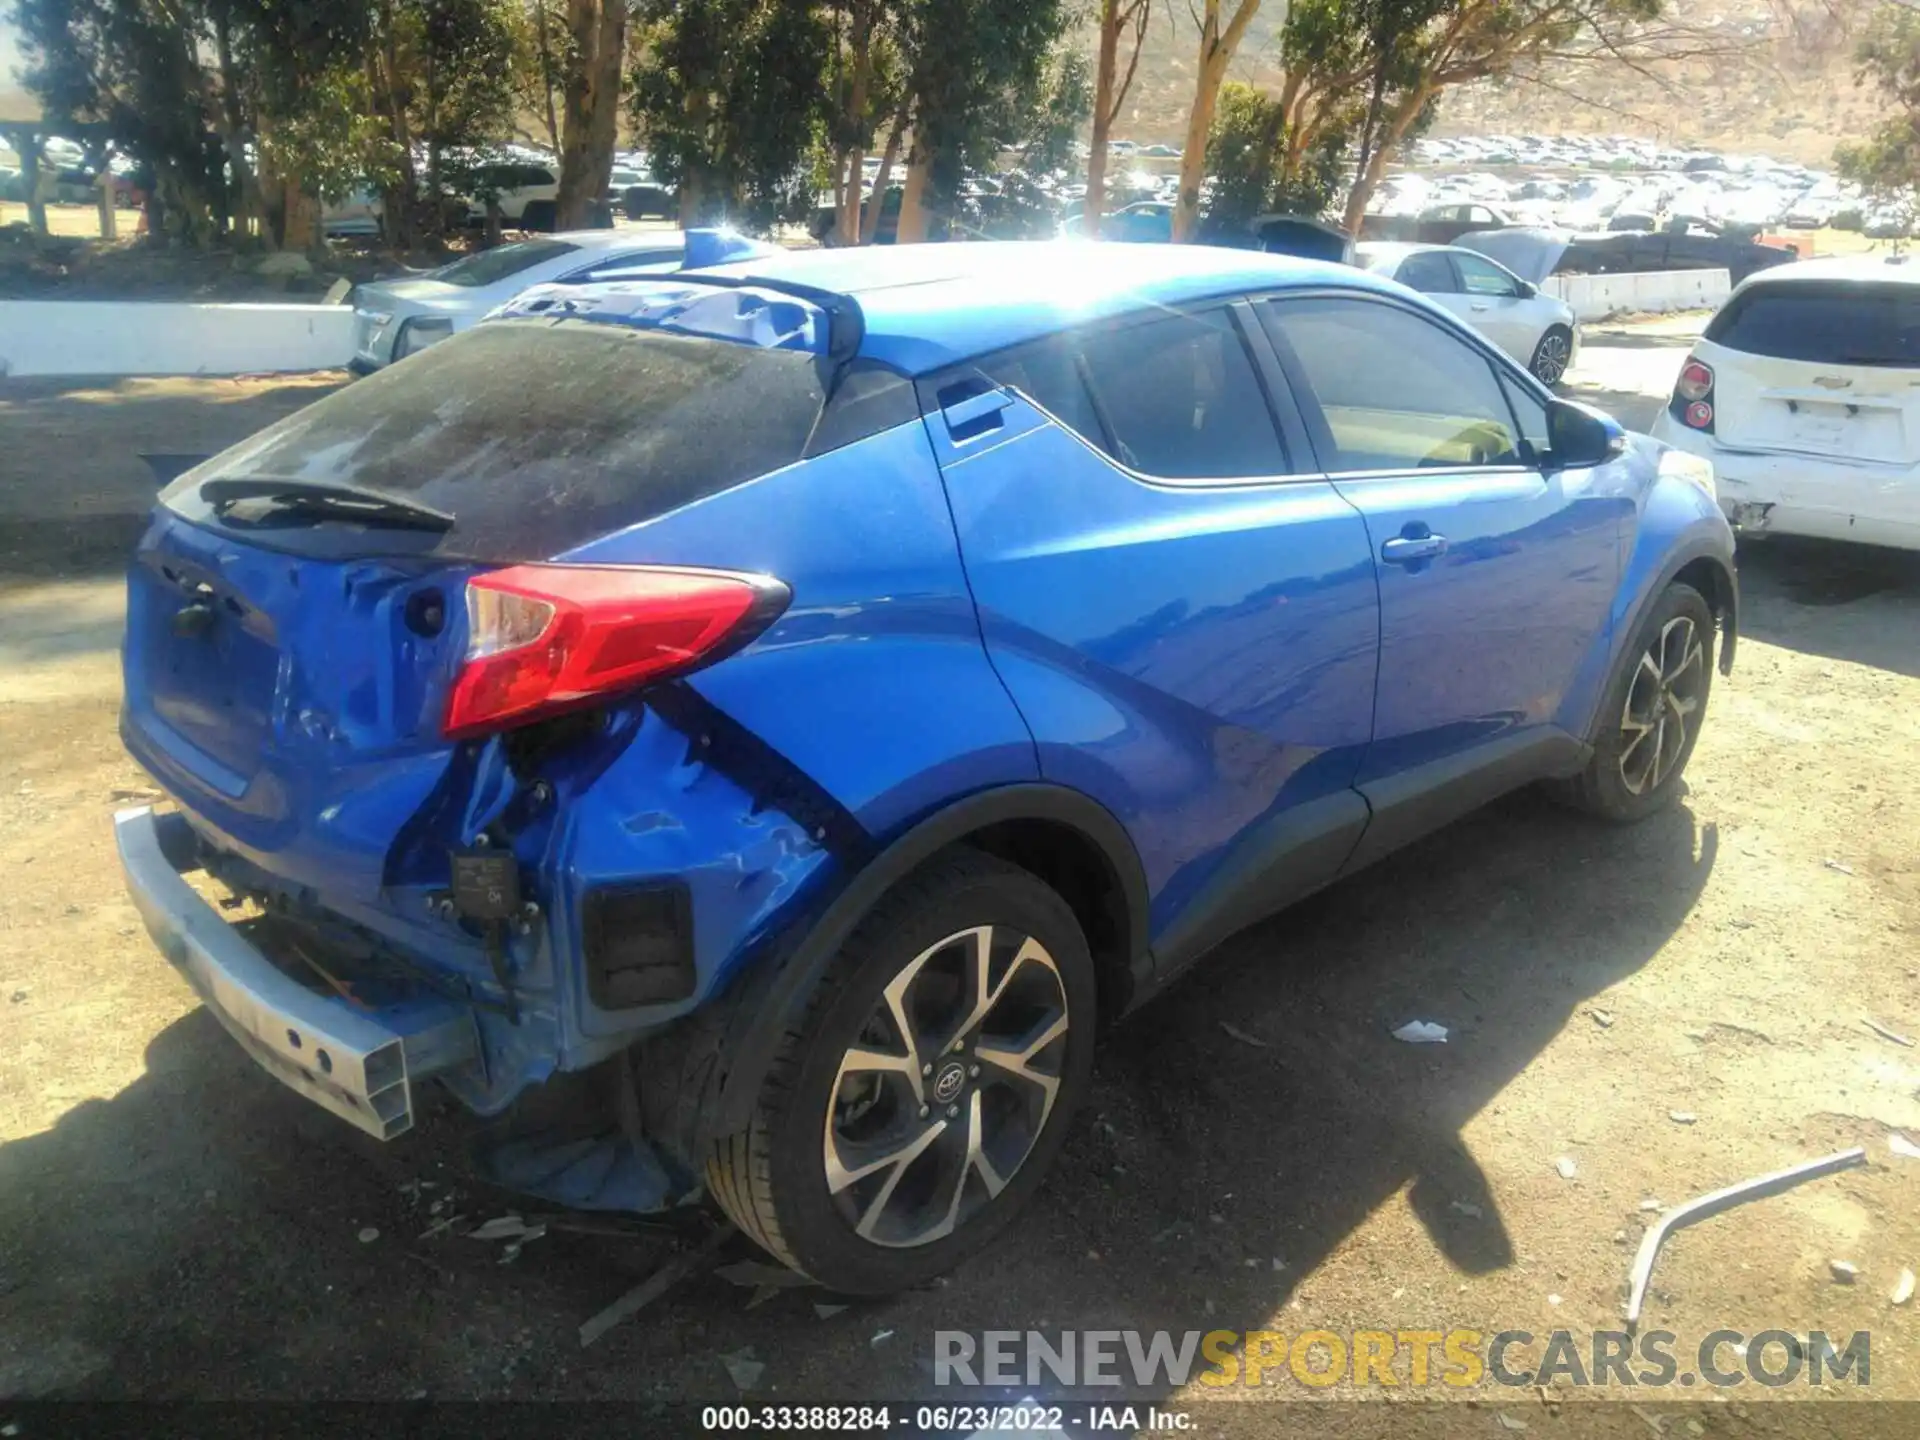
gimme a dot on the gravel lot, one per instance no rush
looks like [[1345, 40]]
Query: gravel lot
[[175, 1225]]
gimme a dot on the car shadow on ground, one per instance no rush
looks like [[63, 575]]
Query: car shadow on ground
[[1859, 603], [199, 1233]]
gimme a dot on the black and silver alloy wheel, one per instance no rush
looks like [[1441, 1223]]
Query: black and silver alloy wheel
[[919, 1101], [1552, 356], [1663, 704], [1650, 720], [940, 1100]]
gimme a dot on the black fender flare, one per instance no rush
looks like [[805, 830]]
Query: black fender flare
[[771, 996], [1728, 612]]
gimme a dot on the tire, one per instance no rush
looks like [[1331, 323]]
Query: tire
[[538, 215], [1621, 783], [1551, 356], [921, 942]]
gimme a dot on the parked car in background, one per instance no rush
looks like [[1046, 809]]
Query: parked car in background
[[397, 318], [1536, 329], [638, 196], [1804, 392], [359, 212], [1443, 224], [770, 720], [1534, 252]]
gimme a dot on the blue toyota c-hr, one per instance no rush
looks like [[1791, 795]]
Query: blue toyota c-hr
[[754, 728]]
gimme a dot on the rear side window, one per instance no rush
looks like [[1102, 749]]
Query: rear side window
[[1397, 391], [487, 266], [538, 436], [1832, 324], [1174, 397], [1428, 272]]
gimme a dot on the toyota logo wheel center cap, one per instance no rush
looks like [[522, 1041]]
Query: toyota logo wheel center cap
[[948, 1084]]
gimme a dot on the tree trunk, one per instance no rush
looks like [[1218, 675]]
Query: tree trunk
[[253, 205], [1368, 180], [847, 223], [912, 228], [1103, 112], [592, 107], [109, 221], [1217, 47], [301, 229], [883, 180], [30, 174], [546, 73]]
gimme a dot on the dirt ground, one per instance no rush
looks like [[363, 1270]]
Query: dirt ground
[[175, 1225]]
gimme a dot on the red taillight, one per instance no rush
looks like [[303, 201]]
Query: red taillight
[[1700, 415], [547, 638], [1696, 381]]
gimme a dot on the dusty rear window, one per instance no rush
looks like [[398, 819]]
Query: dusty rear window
[[535, 436]]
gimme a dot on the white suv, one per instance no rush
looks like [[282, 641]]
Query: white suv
[[1804, 392]]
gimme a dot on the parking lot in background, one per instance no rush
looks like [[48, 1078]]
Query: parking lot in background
[[1258, 1152]]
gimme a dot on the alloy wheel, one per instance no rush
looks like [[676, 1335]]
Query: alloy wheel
[[947, 1087], [1550, 361], [1663, 706]]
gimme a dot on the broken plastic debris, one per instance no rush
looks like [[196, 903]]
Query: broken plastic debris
[[743, 1369], [1472, 1212], [752, 1274], [501, 1227], [1884, 1033], [827, 1312], [1694, 1211], [1844, 1272], [1837, 865], [1900, 1145], [880, 1337], [1554, 1300], [369, 1235], [1902, 1288], [654, 1286], [1682, 1117], [1566, 1167], [1421, 1032], [1649, 1204], [1602, 1018], [1510, 1422], [1243, 1037]]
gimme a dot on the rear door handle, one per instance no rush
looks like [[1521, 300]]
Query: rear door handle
[[1405, 550], [976, 415]]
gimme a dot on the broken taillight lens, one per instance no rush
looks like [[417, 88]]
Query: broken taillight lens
[[542, 639]]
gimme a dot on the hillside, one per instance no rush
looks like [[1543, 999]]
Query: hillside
[[1782, 83]]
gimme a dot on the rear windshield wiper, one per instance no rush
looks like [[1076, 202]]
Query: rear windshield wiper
[[333, 502]]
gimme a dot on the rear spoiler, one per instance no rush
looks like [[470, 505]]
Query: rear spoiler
[[846, 322]]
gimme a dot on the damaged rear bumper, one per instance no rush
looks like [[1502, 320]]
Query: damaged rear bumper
[[360, 1064]]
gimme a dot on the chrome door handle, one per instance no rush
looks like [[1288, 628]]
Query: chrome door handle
[[1405, 550]]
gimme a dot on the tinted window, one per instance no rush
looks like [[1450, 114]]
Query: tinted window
[[1483, 277], [539, 436], [487, 266], [1397, 391], [1428, 271], [1174, 397], [630, 264], [1834, 324]]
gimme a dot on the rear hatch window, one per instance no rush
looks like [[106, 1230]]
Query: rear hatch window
[[1824, 323], [524, 438]]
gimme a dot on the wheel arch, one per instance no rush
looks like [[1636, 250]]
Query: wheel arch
[[1070, 841], [1706, 569]]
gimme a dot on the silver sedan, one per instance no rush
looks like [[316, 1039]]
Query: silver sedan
[[1535, 328], [397, 318]]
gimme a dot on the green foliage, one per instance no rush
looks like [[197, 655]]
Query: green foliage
[[1247, 156], [730, 98], [1886, 163]]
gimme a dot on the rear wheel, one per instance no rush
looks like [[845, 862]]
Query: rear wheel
[[926, 1092], [1552, 356], [1652, 714]]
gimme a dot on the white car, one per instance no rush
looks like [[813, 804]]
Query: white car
[[397, 318], [1804, 392], [1535, 328]]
